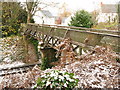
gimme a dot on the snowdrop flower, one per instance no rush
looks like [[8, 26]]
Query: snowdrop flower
[[48, 83], [67, 76], [43, 81], [61, 77], [63, 72], [56, 73], [39, 47], [71, 80], [43, 75], [51, 86], [66, 82], [34, 86], [65, 85], [75, 77], [52, 75], [55, 77]]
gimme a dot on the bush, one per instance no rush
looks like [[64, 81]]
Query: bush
[[13, 14], [57, 79], [82, 19]]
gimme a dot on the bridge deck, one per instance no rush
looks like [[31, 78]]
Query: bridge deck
[[84, 37]]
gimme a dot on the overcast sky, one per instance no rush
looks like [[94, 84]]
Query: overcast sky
[[74, 5], [88, 5]]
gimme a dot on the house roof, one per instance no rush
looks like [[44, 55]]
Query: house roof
[[109, 8], [47, 13]]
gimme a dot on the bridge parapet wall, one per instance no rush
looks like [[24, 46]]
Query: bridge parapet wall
[[84, 37]]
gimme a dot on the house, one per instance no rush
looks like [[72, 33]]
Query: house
[[44, 17], [61, 21], [107, 13], [66, 20]]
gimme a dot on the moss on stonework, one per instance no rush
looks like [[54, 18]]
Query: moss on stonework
[[35, 43], [31, 50], [45, 63], [48, 56]]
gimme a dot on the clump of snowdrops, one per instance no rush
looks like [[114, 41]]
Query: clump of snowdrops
[[57, 79]]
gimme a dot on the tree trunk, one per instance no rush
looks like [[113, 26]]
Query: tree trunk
[[29, 18]]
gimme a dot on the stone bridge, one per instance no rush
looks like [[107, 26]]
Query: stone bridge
[[82, 38]]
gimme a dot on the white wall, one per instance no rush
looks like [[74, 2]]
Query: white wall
[[39, 18], [103, 17], [67, 20]]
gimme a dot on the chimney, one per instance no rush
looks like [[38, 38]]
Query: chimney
[[101, 4]]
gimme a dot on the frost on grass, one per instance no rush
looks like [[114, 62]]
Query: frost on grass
[[10, 65], [98, 69], [24, 80]]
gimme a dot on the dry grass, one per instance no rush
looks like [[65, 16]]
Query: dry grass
[[98, 69]]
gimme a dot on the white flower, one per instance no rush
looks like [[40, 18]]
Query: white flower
[[52, 74], [43, 81], [39, 47], [75, 77], [55, 77], [65, 85], [34, 86], [51, 86], [71, 80], [56, 73], [66, 82], [43, 75], [61, 77], [48, 83], [67, 76], [40, 43], [63, 72]]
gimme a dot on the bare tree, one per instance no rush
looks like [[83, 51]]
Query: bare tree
[[32, 6], [64, 12]]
